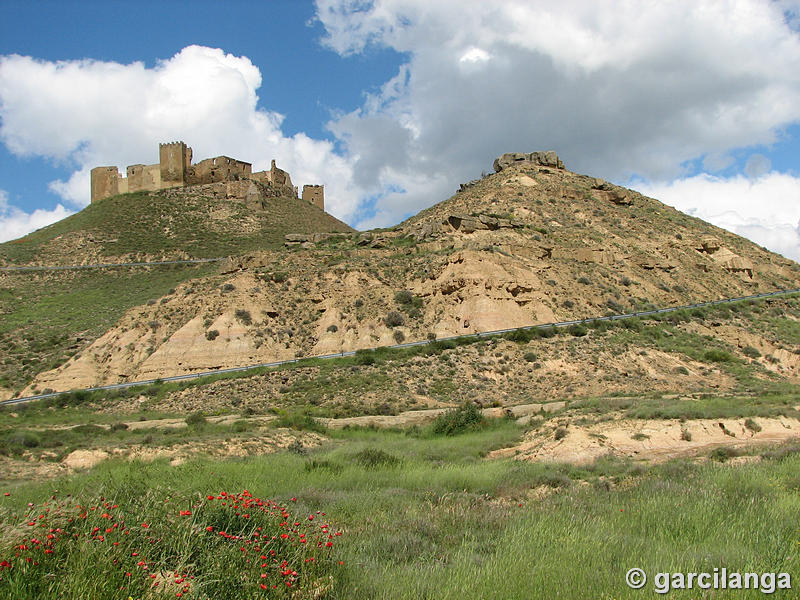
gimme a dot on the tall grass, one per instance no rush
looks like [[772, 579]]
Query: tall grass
[[422, 517]]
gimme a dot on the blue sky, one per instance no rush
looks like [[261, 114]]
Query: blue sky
[[392, 103]]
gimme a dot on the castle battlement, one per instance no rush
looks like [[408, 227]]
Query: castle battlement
[[175, 169]]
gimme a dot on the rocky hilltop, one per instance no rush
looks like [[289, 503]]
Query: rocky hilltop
[[531, 243]]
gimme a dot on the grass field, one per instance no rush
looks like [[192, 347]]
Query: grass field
[[420, 516]]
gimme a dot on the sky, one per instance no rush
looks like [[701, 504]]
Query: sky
[[392, 103]]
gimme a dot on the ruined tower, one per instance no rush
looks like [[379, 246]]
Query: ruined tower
[[104, 182], [315, 194], [173, 158]]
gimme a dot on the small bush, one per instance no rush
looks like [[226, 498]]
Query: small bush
[[212, 334], [751, 352], [299, 422], [681, 370], [196, 419], [279, 276], [554, 480], [358, 303], [375, 457], [722, 454], [640, 437], [365, 357], [583, 281], [296, 447], [686, 435], [752, 425], [332, 329], [577, 330], [399, 336], [459, 420], [241, 426], [530, 357], [404, 297], [228, 287], [394, 319], [243, 316], [560, 433], [716, 355]]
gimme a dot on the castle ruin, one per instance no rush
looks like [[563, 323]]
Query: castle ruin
[[175, 169]]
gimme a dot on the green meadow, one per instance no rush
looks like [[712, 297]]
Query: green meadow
[[408, 514]]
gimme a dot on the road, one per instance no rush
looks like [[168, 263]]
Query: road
[[119, 386]]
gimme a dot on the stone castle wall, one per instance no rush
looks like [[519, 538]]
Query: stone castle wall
[[175, 169]]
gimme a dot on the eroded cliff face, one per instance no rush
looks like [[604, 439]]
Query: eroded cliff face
[[533, 243]]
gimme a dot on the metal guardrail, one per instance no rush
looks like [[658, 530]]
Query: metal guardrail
[[14, 269], [481, 334]]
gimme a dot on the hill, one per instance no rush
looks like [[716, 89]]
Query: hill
[[202, 221], [532, 243], [50, 316]]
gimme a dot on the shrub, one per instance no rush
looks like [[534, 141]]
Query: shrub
[[228, 287], [243, 316], [752, 425], [375, 457], [583, 281], [560, 433], [404, 297], [279, 276], [681, 370], [365, 357], [716, 355], [567, 304], [358, 303], [554, 479], [196, 419], [467, 417], [577, 330], [399, 336], [332, 329], [299, 421], [394, 319], [686, 435], [241, 426], [530, 357], [212, 334], [722, 454], [751, 352]]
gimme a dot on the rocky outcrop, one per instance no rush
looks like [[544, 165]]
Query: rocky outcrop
[[539, 159], [606, 192], [463, 224]]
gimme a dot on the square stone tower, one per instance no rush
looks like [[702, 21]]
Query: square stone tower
[[315, 194], [173, 159]]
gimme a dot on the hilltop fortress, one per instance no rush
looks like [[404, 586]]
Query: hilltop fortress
[[175, 169]]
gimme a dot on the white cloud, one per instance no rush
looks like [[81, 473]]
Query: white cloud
[[89, 113], [765, 210], [637, 89], [15, 223]]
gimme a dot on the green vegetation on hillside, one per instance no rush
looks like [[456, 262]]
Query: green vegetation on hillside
[[48, 317], [172, 223]]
